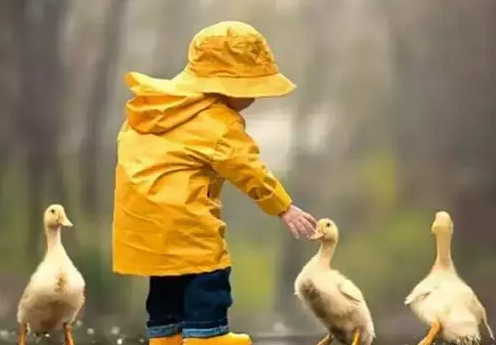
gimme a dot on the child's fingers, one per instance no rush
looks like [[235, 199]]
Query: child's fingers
[[310, 219], [294, 230], [306, 228]]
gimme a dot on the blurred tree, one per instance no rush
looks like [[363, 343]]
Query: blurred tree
[[36, 49], [104, 71], [445, 105], [303, 172], [7, 89], [171, 47], [445, 109]]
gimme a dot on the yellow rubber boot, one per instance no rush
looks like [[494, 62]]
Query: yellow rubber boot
[[225, 339], [176, 339]]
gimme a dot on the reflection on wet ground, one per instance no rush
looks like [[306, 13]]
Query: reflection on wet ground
[[115, 337]]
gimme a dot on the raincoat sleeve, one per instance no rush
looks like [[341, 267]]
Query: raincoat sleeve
[[237, 159]]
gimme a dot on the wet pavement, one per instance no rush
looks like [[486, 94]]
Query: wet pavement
[[88, 336]]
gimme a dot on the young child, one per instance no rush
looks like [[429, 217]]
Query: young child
[[182, 138]]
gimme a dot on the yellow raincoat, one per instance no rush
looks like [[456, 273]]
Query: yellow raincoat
[[178, 144], [174, 152]]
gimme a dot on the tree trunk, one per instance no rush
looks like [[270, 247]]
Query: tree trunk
[[172, 44], [301, 173], [7, 94], [105, 71], [37, 35]]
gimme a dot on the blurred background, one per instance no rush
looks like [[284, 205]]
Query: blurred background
[[393, 119]]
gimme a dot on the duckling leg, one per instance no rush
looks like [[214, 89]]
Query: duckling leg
[[435, 327], [68, 335], [356, 337], [326, 340], [23, 330]]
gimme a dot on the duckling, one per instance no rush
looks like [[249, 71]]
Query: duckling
[[443, 300], [55, 292], [336, 302]]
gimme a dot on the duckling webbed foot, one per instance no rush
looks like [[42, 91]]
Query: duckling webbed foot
[[429, 338], [68, 335], [327, 340], [356, 337], [23, 330]]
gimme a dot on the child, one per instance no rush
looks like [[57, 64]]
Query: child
[[181, 139]]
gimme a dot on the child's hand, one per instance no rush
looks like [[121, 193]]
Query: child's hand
[[299, 222]]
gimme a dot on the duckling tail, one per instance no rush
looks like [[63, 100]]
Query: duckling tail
[[61, 282], [489, 330], [486, 323]]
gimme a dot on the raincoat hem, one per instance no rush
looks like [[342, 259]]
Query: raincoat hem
[[142, 272]]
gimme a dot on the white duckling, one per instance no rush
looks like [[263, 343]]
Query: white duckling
[[55, 292], [337, 303], [443, 300]]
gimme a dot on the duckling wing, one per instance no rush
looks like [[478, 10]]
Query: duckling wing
[[350, 290], [475, 306], [419, 292]]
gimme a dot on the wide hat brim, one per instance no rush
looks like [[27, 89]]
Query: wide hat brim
[[274, 85]]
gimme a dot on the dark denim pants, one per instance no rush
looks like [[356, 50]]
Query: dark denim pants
[[194, 304]]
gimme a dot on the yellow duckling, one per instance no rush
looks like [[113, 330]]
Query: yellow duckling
[[334, 299], [443, 300], [55, 292]]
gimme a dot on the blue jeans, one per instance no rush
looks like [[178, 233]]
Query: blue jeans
[[194, 304]]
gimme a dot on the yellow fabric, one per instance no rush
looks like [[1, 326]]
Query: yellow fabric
[[176, 339], [225, 339], [233, 59], [174, 151]]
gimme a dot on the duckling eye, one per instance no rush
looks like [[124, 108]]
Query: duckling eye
[[52, 211], [328, 224]]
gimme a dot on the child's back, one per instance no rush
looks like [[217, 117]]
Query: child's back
[[168, 197]]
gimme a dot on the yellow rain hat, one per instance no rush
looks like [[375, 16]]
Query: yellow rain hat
[[233, 59]]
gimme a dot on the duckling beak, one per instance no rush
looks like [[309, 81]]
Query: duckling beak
[[317, 235], [441, 222], [64, 221]]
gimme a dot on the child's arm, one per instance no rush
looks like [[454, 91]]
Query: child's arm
[[237, 158]]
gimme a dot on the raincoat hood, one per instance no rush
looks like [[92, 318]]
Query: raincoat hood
[[160, 105]]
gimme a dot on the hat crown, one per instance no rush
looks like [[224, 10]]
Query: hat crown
[[230, 49]]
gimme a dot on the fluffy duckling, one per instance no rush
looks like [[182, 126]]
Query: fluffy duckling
[[443, 300], [336, 302], [55, 292]]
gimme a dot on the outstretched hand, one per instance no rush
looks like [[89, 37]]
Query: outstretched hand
[[299, 222]]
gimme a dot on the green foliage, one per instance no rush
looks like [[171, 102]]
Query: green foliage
[[388, 259], [378, 180], [14, 219], [253, 277]]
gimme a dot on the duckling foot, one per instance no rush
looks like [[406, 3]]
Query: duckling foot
[[68, 335], [23, 330], [429, 338], [356, 337], [327, 340]]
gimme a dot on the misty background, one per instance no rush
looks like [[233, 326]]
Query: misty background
[[393, 119]]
